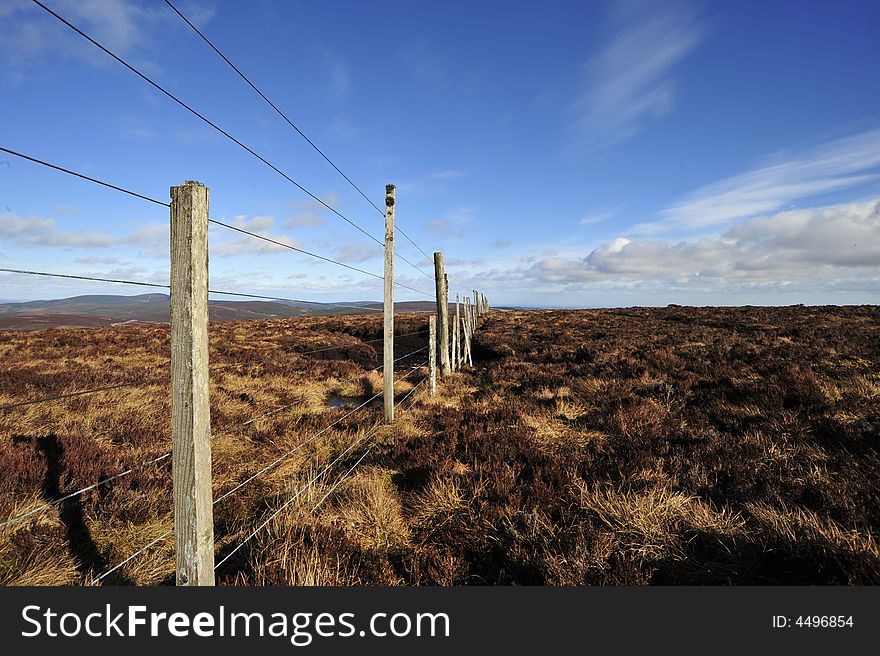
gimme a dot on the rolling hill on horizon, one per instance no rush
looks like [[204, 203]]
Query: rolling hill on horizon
[[88, 311]]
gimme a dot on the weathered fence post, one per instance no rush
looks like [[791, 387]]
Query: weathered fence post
[[388, 306], [476, 305], [468, 332], [460, 341], [442, 311], [432, 353], [190, 402], [450, 336], [454, 364]]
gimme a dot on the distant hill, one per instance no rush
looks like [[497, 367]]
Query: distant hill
[[106, 310]]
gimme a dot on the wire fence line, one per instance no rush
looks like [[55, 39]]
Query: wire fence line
[[188, 215], [272, 105], [272, 464], [216, 127], [308, 485], [152, 461], [294, 126], [154, 381], [202, 117], [223, 224]]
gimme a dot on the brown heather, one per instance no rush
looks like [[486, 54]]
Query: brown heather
[[615, 447]]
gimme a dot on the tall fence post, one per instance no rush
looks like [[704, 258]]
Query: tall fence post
[[432, 353], [190, 401], [476, 305], [388, 305], [442, 311]]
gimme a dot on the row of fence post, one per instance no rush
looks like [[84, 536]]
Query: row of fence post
[[190, 407]]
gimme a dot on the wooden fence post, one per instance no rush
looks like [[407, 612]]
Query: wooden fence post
[[190, 401], [432, 353], [442, 311], [456, 348], [388, 305], [468, 332], [461, 338], [476, 305], [450, 335]]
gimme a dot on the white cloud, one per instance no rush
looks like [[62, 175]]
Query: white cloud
[[630, 80], [224, 242], [29, 32], [836, 246], [14, 226], [840, 164], [35, 231], [126, 27]]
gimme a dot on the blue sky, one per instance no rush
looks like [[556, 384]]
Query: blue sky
[[560, 154]]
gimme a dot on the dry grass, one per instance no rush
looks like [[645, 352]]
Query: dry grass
[[677, 445]]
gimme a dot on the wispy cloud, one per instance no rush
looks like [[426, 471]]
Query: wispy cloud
[[840, 164], [447, 175], [357, 252], [631, 80], [91, 259], [596, 217], [310, 205], [223, 245], [451, 224], [121, 25], [305, 219]]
